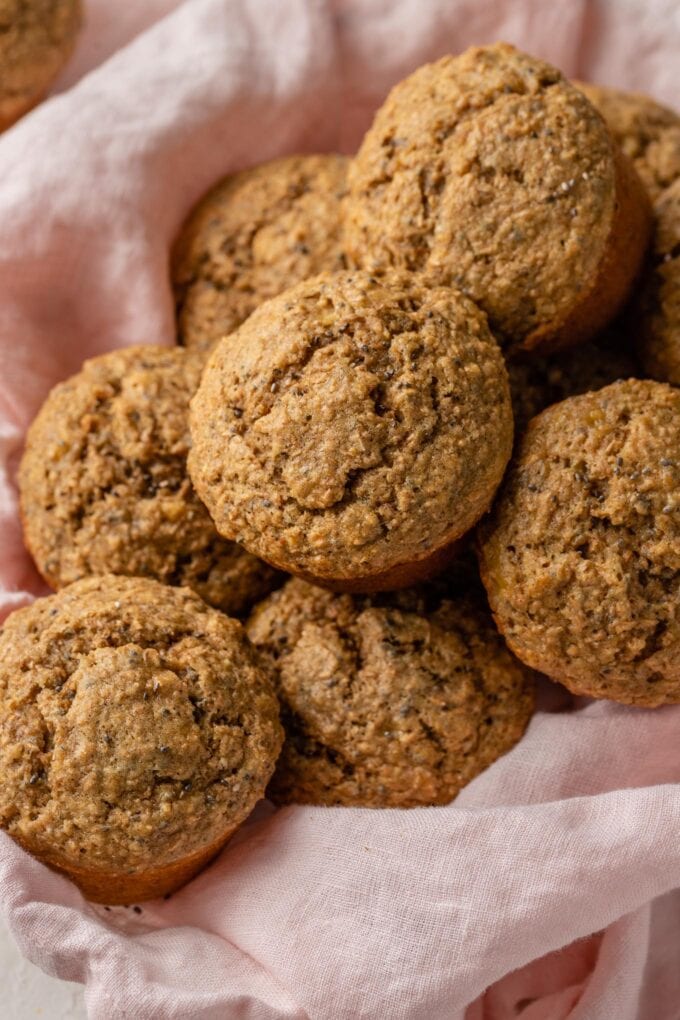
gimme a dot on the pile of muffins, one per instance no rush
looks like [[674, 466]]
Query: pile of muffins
[[390, 371]]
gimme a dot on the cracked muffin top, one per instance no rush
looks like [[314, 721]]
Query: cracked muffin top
[[581, 554], [494, 173], [352, 426], [136, 725], [656, 306], [648, 133], [104, 483], [388, 701], [36, 40], [254, 234]]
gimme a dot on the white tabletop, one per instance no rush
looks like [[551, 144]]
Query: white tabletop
[[27, 993]]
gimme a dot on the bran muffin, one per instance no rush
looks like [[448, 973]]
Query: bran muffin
[[352, 429], [138, 728], [104, 484], [387, 701], [36, 39], [648, 133], [254, 234], [493, 173], [581, 554], [656, 306], [537, 382]]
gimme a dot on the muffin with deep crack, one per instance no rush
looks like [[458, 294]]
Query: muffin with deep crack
[[36, 39], [254, 234], [493, 173], [655, 312], [581, 554], [388, 700], [648, 133], [138, 728], [352, 429], [104, 484]]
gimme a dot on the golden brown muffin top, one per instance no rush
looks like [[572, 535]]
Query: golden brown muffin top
[[581, 553], [254, 234], [351, 425], [388, 701], [648, 132], [493, 171], [136, 724], [104, 483], [36, 39]]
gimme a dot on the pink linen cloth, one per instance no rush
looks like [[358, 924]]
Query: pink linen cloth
[[549, 888]]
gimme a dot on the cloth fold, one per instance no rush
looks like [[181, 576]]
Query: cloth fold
[[548, 889]]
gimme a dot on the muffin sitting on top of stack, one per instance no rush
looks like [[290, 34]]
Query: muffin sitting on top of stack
[[493, 173], [353, 429]]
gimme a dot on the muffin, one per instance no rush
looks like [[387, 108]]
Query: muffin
[[648, 133], [104, 484], [387, 701], [581, 554], [493, 173], [352, 429], [138, 729], [537, 382], [36, 40], [656, 306], [253, 235]]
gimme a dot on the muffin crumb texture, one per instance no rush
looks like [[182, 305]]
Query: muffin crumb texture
[[136, 726], [391, 700], [656, 306], [36, 39], [105, 488], [253, 235], [581, 554], [538, 382], [492, 172], [648, 133]]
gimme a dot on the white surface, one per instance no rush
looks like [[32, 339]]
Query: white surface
[[27, 993]]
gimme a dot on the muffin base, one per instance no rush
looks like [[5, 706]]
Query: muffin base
[[121, 888], [401, 575]]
